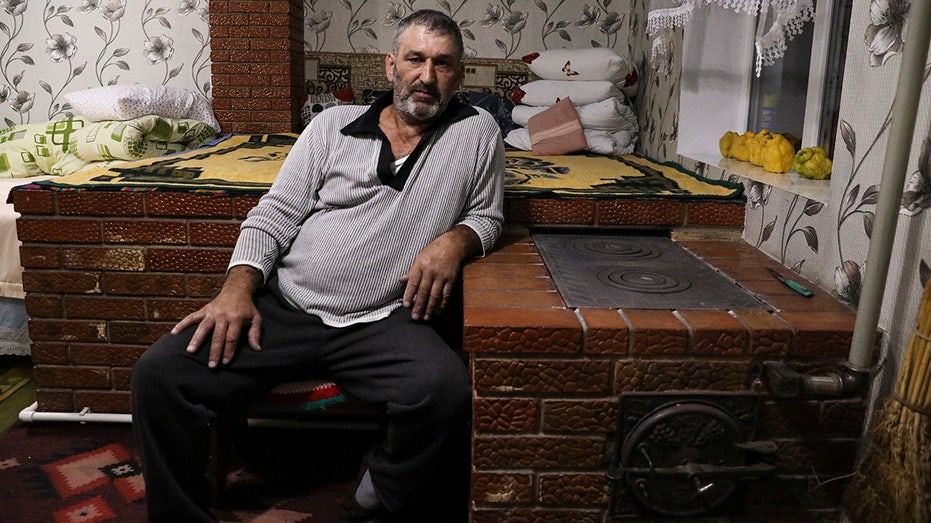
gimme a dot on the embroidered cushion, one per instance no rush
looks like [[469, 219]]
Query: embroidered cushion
[[593, 63], [608, 115], [316, 103], [556, 130], [303, 396], [599, 142]]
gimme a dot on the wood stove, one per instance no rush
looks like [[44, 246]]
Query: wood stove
[[548, 378]]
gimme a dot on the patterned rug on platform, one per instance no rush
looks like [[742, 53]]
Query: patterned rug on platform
[[67, 472], [250, 163]]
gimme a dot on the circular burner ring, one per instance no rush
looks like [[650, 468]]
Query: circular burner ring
[[643, 280], [616, 248]]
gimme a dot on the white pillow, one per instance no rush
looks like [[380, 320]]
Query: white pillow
[[600, 142], [128, 101], [519, 137], [607, 115], [593, 63], [617, 143], [548, 92]]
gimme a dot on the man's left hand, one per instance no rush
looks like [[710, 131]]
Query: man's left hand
[[432, 276]]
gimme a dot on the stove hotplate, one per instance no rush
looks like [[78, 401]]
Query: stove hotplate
[[634, 271]]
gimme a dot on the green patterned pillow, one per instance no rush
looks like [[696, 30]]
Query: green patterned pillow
[[144, 137], [32, 149], [64, 146]]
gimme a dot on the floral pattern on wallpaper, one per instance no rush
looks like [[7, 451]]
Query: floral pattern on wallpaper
[[49, 48], [796, 225], [657, 100], [884, 34], [883, 39], [793, 229], [495, 29]]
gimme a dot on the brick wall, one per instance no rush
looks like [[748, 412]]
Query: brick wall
[[107, 273], [257, 64]]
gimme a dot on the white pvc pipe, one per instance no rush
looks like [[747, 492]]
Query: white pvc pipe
[[901, 130], [30, 414]]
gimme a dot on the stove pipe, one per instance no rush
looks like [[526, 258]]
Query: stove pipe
[[784, 382]]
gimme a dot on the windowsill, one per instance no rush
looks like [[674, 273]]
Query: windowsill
[[818, 190]]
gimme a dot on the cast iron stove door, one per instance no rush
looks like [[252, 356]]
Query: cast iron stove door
[[686, 454]]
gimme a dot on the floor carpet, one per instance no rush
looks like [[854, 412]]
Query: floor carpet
[[17, 388], [69, 472], [14, 374]]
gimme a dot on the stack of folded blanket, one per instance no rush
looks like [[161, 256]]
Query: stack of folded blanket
[[580, 103]]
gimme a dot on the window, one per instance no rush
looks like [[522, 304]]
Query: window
[[798, 95]]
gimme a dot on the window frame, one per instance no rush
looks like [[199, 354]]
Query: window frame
[[715, 87]]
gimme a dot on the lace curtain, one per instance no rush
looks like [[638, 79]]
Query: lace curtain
[[779, 20]]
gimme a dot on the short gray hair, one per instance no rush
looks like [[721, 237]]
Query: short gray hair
[[435, 22]]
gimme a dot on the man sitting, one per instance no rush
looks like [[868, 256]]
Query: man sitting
[[338, 271]]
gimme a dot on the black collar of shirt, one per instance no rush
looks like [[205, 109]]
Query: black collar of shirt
[[367, 124]]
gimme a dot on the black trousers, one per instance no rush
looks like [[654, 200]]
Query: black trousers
[[395, 362]]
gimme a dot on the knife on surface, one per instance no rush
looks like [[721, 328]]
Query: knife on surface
[[792, 284]]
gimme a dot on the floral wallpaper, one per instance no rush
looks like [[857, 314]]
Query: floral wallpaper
[[490, 29], [828, 242], [49, 48]]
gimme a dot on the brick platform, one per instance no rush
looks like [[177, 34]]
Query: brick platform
[[547, 381], [106, 273]]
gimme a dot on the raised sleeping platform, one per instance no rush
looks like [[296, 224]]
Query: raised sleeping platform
[[114, 256]]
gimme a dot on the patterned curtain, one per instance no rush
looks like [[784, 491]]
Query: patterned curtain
[[778, 20]]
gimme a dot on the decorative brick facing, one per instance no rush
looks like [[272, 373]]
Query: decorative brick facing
[[100, 294], [248, 57], [579, 416], [490, 487], [547, 381], [574, 489], [537, 452], [505, 415]]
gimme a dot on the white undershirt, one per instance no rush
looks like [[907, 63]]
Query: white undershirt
[[397, 164]]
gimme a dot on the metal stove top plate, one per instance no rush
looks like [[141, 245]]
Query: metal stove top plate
[[636, 271]]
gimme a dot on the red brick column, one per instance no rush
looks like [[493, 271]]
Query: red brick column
[[256, 50]]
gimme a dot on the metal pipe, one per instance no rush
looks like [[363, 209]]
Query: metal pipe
[[778, 378], [901, 129], [784, 382]]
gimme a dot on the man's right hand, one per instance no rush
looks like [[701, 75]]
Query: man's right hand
[[226, 316]]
